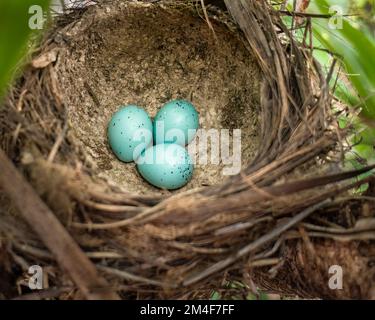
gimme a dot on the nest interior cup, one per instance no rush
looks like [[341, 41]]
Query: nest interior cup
[[148, 54]]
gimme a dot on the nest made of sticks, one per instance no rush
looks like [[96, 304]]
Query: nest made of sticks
[[276, 224]]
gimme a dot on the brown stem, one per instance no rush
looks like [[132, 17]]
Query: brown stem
[[66, 251]]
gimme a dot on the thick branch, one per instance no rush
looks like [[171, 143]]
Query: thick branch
[[67, 253]]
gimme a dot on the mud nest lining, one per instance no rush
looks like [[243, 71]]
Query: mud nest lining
[[147, 55]]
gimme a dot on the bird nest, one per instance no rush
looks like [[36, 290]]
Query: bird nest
[[277, 225]]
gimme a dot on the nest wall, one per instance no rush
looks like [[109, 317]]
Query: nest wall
[[268, 224]]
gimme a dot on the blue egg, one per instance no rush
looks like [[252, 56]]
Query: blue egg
[[166, 166], [176, 122], [129, 132]]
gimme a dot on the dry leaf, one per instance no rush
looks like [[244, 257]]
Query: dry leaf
[[44, 60]]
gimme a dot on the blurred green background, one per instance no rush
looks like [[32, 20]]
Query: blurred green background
[[14, 33], [352, 42]]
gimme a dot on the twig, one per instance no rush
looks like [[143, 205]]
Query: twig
[[311, 15], [128, 276], [264, 262], [49, 293], [43, 254], [45, 224], [256, 244], [208, 19], [111, 208], [59, 141]]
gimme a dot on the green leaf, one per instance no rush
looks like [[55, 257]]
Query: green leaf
[[260, 296], [215, 296], [14, 34], [356, 46]]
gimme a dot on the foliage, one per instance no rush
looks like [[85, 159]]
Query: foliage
[[355, 46], [14, 34], [354, 43], [350, 39]]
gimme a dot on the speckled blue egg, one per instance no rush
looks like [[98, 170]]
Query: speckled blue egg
[[176, 122], [130, 132], [166, 166]]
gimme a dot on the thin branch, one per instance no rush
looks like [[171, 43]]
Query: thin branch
[[256, 244]]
